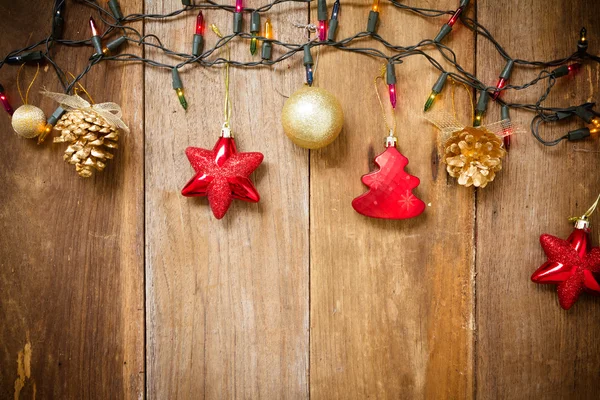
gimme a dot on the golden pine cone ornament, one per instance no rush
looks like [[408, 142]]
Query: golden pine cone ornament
[[473, 155], [89, 136]]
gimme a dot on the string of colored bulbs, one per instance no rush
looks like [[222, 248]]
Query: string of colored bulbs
[[114, 19]]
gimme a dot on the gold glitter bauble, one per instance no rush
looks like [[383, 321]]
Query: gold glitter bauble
[[28, 121], [312, 117]]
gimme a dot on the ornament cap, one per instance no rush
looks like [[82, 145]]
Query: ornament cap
[[582, 223], [226, 131], [391, 140]]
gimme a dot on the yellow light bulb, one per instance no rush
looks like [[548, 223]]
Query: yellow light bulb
[[181, 97], [268, 29], [45, 132], [376, 5]]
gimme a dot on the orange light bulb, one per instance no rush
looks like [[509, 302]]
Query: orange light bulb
[[268, 30], [375, 5]]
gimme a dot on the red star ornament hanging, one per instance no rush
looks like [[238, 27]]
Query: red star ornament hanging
[[570, 265], [222, 174]]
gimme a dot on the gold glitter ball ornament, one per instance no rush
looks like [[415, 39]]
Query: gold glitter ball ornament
[[28, 121], [89, 136], [312, 117], [473, 155]]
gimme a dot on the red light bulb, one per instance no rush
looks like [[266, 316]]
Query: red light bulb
[[500, 85], [93, 27], [392, 92], [6, 104], [322, 30], [238, 6], [455, 16], [200, 24], [574, 68]]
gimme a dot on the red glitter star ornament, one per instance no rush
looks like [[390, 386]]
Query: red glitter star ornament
[[390, 195], [571, 265], [222, 174]]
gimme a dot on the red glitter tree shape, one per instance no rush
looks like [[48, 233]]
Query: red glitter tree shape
[[390, 195]]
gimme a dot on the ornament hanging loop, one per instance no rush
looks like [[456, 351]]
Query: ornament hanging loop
[[25, 99], [226, 130], [391, 140], [583, 221], [391, 128]]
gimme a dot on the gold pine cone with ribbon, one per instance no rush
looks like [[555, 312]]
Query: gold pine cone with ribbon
[[89, 137], [473, 155]]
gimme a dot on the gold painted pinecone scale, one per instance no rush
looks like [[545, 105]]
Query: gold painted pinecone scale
[[88, 136]]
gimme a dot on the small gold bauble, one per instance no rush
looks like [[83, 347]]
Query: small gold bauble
[[28, 121], [312, 117]]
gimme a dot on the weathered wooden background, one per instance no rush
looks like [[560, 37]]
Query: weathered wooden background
[[118, 287]]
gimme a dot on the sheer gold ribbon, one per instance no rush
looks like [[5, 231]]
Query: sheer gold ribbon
[[111, 112]]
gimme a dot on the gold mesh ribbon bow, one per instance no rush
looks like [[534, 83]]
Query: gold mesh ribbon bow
[[111, 112]]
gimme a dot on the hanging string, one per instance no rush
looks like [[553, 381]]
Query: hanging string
[[26, 99], [89, 96], [392, 129], [227, 107], [588, 213], [466, 87], [316, 64]]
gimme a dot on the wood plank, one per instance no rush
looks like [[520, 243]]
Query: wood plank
[[391, 301], [527, 346], [71, 259], [227, 299]]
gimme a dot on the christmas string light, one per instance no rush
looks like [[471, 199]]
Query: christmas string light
[[502, 81], [254, 29], [115, 8], [58, 19], [113, 46], [481, 107], [238, 17], [582, 44], [267, 46], [447, 28], [503, 78], [50, 122], [401, 52], [373, 17], [32, 56], [435, 90], [198, 42], [308, 65], [96, 40], [564, 70], [178, 87], [333, 22], [322, 17], [390, 80], [5, 103], [506, 123]]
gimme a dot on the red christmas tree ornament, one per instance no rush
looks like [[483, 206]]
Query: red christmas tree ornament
[[222, 174], [390, 195], [571, 264]]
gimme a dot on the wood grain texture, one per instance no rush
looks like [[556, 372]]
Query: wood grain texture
[[71, 261], [528, 347], [227, 299], [297, 296], [391, 303]]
